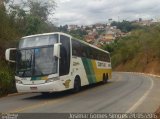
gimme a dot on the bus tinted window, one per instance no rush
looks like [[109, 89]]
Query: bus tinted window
[[76, 48], [82, 50]]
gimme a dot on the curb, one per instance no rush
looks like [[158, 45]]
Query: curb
[[153, 75]]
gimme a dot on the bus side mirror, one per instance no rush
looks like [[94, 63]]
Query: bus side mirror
[[10, 55], [56, 51]]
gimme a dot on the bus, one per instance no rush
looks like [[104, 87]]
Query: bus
[[53, 62]]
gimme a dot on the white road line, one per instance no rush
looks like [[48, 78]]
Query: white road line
[[140, 101]]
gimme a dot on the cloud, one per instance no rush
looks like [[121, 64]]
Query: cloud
[[92, 11]]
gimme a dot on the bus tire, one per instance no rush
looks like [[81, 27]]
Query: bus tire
[[105, 78], [77, 85]]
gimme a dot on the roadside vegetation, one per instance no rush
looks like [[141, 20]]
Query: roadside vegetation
[[30, 17], [17, 20], [140, 51]]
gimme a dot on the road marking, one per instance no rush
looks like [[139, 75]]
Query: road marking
[[140, 101]]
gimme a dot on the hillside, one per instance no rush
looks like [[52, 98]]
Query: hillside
[[153, 67], [139, 52]]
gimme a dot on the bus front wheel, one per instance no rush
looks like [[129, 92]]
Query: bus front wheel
[[77, 85]]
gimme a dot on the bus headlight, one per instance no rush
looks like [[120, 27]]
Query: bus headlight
[[18, 81], [52, 79]]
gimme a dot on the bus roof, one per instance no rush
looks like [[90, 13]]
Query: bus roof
[[43, 34], [61, 33]]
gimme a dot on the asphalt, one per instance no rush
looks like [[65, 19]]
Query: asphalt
[[125, 92]]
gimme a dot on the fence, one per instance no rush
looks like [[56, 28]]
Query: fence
[[7, 82]]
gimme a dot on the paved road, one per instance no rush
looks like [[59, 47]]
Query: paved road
[[126, 92]]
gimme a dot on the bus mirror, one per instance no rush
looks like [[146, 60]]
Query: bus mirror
[[56, 51], [10, 55]]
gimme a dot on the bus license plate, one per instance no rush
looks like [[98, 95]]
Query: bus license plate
[[33, 88]]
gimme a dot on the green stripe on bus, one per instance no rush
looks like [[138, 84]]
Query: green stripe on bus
[[35, 78], [89, 70]]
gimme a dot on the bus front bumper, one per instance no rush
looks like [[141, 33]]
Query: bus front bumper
[[46, 87]]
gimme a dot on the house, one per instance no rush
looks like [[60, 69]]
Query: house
[[144, 22], [73, 27], [89, 38], [99, 26], [107, 37]]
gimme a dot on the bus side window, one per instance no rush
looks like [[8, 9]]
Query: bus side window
[[107, 58], [75, 48], [64, 64]]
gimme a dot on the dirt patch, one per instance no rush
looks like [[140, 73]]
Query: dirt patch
[[152, 67], [158, 113]]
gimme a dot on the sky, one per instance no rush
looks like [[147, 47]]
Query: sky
[[87, 12]]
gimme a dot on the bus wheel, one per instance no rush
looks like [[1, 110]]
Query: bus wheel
[[105, 78], [77, 85]]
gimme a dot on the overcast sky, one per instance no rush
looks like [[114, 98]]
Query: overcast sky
[[85, 12]]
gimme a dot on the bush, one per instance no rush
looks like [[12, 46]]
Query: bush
[[143, 43], [7, 84]]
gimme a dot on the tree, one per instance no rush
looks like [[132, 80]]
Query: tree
[[7, 31], [31, 17], [63, 28], [78, 33], [15, 22], [2, 2], [42, 9], [124, 26]]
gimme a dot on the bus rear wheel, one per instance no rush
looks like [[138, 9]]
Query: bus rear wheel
[[105, 78], [77, 85]]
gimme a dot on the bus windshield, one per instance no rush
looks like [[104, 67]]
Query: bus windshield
[[36, 41], [36, 62]]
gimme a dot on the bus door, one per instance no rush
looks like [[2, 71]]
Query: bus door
[[65, 59]]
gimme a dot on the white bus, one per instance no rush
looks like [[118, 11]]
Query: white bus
[[53, 62]]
